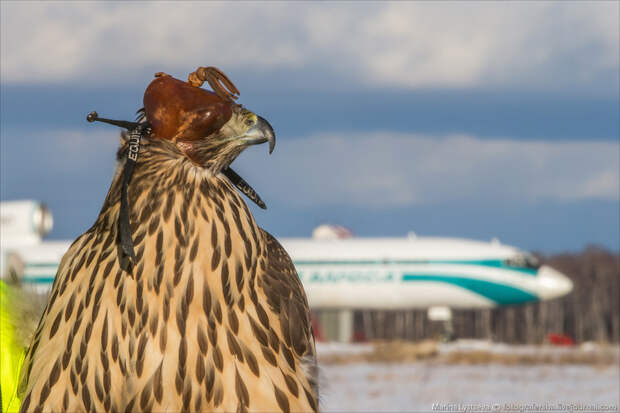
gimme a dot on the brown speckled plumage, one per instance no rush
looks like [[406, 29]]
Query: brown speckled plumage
[[211, 318]]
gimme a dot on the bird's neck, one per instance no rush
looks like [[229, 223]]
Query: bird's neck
[[187, 223]]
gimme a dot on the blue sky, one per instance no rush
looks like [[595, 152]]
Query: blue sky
[[475, 120]]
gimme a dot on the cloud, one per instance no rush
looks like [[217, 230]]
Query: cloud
[[377, 170], [543, 195], [389, 169], [56, 161], [397, 45]]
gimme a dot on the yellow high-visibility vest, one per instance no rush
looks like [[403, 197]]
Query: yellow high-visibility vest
[[11, 353]]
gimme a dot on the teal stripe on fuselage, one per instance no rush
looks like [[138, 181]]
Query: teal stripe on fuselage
[[38, 279], [481, 263], [502, 294]]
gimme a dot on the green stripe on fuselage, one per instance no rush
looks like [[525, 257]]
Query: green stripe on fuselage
[[481, 263], [42, 265], [502, 294], [38, 279]]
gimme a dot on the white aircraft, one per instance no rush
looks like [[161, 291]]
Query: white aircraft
[[338, 271], [419, 272]]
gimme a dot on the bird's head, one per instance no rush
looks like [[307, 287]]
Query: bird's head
[[208, 127]]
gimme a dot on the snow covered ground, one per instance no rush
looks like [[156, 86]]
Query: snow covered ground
[[419, 386], [416, 387]]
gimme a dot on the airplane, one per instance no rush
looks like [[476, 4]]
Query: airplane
[[419, 272], [338, 271]]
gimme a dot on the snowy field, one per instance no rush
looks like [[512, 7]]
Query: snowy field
[[418, 386], [415, 387]]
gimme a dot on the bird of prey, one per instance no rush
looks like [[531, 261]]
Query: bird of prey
[[189, 306]]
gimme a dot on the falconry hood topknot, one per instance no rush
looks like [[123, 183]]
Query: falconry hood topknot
[[175, 300]]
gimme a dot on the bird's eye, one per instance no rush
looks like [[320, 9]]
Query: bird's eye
[[249, 122]]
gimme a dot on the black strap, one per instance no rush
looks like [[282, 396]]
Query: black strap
[[244, 187], [135, 135]]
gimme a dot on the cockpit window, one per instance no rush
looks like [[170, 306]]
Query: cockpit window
[[523, 261]]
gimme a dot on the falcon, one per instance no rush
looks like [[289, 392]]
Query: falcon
[[175, 300]]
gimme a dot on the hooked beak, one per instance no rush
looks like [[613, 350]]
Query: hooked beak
[[260, 133]]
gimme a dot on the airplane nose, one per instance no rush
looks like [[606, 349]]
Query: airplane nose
[[552, 283]]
